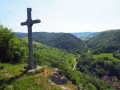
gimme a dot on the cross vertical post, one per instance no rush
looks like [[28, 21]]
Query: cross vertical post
[[29, 23]]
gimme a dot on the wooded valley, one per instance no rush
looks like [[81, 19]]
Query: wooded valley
[[96, 57]]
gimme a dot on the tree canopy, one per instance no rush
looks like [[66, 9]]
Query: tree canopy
[[11, 48], [107, 41]]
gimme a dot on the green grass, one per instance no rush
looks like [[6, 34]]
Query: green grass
[[20, 80], [13, 70], [47, 52], [109, 55]]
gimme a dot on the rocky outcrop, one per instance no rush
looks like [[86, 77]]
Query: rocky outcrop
[[57, 78]]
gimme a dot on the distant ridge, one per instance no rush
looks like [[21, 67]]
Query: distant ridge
[[65, 41], [85, 35], [107, 41]]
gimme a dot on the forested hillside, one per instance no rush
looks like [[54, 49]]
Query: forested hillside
[[107, 41], [59, 40], [99, 66], [45, 54], [21, 35]]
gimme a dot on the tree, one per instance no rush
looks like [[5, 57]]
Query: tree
[[5, 36], [12, 49], [16, 50]]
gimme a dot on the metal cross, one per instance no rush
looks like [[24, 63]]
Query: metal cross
[[29, 23]]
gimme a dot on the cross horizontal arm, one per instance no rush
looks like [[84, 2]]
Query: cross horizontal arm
[[24, 23], [36, 21]]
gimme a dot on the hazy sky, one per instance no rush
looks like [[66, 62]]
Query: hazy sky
[[62, 15]]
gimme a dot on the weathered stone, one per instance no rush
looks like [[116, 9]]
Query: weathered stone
[[57, 78], [29, 23]]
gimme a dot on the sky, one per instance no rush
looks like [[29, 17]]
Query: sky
[[62, 15]]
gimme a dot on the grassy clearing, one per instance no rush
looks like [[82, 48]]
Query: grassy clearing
[[109, 55], [13, 70], [20, 80]]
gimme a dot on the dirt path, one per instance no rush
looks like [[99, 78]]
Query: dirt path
[[74, 67]]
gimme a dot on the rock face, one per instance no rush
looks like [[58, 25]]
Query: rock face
[[57, 78]]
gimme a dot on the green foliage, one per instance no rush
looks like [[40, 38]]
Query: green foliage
[[99, 67], [5, 36], [3, 83], [117, 54], [44, 54], [90, 86], [107, 55], [59, 40], [14, 50], [83, 81], [99, 84], [11, 48], [105, 42]]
